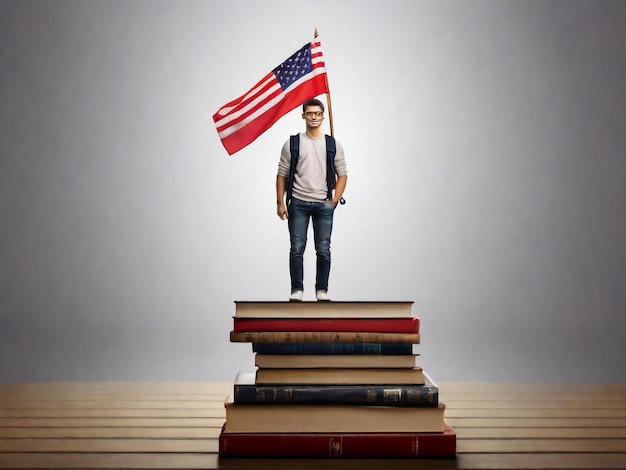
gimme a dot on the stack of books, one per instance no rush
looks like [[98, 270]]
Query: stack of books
[[333, 379]]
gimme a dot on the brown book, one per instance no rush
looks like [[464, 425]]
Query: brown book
[[357, 361], [334, 309], [413, 376], [321, 337], [292, 418]]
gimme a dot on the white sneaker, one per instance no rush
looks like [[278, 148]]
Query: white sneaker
[[296, 296], [322, 296]]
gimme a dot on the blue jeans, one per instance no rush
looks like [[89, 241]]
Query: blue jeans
[[322, 215]]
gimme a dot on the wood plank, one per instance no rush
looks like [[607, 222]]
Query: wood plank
[[90, 413], [506, 388], [572, 461], [482, 446], [465, 461], [111, 422], [108, 445], [547, 396], [211, 461], [66, 396], [498, 423], [122, 404], [540, 433], [108, 461], [535, 404], [119, 432], [118, 387], [617, 414]]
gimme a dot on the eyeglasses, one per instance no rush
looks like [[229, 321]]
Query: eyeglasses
[[311, 114]]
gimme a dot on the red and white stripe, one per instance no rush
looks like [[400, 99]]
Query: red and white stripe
[[242, 120]]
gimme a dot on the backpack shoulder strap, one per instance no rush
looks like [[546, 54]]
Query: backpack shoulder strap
[[294, 149], [331, 146], [331, 177]]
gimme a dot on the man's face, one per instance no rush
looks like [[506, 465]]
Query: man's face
[[313, 115]]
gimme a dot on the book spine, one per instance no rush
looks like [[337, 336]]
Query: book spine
[[378, 325], [342, 376], [387, 395], [321, 337], [333, 348], [295, 445]]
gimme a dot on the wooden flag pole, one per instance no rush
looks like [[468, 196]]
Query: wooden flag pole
[[330, 106]]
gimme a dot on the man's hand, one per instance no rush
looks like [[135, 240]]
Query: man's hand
[[281, 210]]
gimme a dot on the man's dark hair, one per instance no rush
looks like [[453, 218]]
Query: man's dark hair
[[312, 102]]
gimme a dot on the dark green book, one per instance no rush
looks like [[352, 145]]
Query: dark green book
[[247, 391]]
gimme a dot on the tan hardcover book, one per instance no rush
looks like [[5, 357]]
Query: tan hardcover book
[[343, 376], [357, 361], [292, 418], [321, 337], [334, 309]]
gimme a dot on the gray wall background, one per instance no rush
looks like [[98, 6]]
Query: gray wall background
[[487, 154]]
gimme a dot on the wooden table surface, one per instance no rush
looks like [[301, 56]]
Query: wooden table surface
[[175, 426]]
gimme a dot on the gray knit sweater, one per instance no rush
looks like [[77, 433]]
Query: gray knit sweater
[[310, 177]]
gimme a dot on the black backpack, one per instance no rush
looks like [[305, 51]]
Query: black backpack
[[331, 151]]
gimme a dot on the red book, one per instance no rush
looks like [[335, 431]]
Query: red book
[[428, 445], [360, 325]]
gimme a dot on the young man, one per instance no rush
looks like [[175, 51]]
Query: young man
[[313, 188]]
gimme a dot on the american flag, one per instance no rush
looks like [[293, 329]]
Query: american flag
[[301, 77]]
